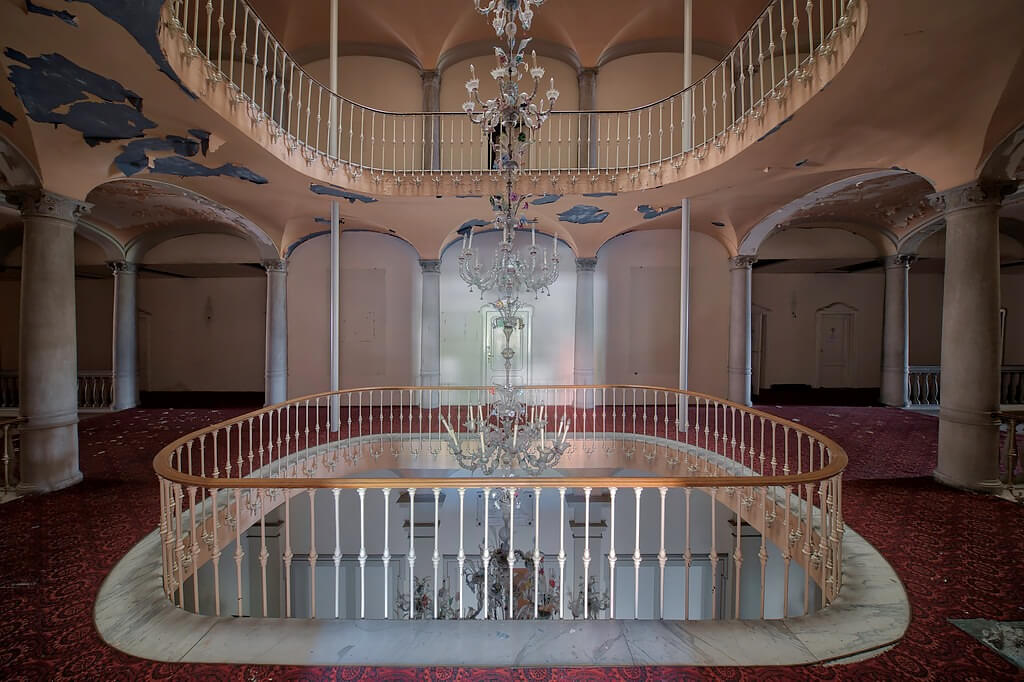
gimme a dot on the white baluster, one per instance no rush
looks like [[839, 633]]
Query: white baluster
[[611, 555], [412, 551], [536, 551], [586, 554], [511, 551], [336, 492], [561, 553], [462, 550], [485, 553], [636, 558], [436, 559], [386, 556], [662, 557], [362, 552]]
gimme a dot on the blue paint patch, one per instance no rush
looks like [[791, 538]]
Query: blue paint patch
[[141, 18], [135, 157], [203, 136], [469, 196], [7, 117], [545, 199], [649, 212], [302, 240], [602, 194], [62, 14], [182, 167], [583, 214], [352, 197], [50, 82], [322, 220], [471, 223], [776, 128]]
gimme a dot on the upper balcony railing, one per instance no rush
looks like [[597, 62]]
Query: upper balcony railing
[[781, 47], [279, 516]]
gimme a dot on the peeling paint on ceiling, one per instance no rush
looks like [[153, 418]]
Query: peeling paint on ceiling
[[601, 194], [62, 14], [351, 197], [649, 212], [7, 117], [776, 128], [545, 199], [471, 223], [55, 90], [137, 155], [141, 18], [583, 214]]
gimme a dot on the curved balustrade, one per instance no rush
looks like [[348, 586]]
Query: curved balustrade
[[781, 47], [237, 496]]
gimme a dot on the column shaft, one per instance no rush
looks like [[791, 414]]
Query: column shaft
[[587, 82], [48, 363], [968, 429], [276, 363], [739, 329], [583, 348], [895, 337], [430, 337], [126, 353], [432, 103]]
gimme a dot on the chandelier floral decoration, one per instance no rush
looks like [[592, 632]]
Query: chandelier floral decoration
[[512, 435]]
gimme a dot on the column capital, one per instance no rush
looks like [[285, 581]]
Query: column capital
[[972, 194], [275, 265], [119, 267], [430, 265], [742, 262], [44, 204], [900, 260], [431, 77], [586, 264]]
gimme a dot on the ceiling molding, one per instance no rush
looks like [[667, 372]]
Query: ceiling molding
[[477, 48]]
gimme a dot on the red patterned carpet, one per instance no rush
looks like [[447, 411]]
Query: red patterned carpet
[[959, 556]]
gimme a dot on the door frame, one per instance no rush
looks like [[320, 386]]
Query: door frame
[[487, 312]]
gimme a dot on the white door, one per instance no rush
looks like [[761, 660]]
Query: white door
[[494, 343], [835, 332], [758, 326]]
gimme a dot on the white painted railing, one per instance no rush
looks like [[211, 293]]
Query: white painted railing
[[1010, 459], [780, 48], [923, 383], [95, 390], [271, 509]]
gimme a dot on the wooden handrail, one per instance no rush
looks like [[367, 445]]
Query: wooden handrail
[[836, 464]]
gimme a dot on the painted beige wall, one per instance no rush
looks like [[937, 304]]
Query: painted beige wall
[[790, 353], [377, 82], [380, 306], [637, 311], [454, 77], [819, 242], [203, 248], [205, 334]]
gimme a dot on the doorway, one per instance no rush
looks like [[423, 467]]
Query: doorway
[[835, 324], [494, 342]]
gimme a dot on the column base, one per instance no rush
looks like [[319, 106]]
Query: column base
[[24, 488], [991, 486]]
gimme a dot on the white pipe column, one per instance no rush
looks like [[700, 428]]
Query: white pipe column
[[741, 269], [432, 104], [276, 360], [586, 79], [968, 429], [430, 336], [126, 349], [682, 413], [895, 335], [583, 346], [335, 243], [48, 357]]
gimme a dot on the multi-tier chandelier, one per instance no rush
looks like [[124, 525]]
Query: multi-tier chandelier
[[512, 435]]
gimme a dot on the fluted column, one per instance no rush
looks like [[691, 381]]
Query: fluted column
[[968, 429], [583, 350], [586, 79], [741, 268], [895, 336], [432, 104], [126, 349], [430, 336], [276, 361], [48, 363]]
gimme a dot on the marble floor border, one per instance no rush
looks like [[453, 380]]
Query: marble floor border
[[133, 615]]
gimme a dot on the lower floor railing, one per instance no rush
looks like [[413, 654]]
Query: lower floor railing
[[10, 431], [95, 390], [923, 382], [666, 505], [1011, 461]]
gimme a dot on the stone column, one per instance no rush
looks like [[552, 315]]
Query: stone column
[[432, 103], [276, 362], [587, 81], [741, 268], [430, 336], [895, 337], [969, 396], [583, 351], [126, 349], [48, 363]]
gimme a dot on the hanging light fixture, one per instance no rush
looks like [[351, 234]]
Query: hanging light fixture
[[512, 435]]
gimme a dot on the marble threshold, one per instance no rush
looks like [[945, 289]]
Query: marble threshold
[[133, 615]]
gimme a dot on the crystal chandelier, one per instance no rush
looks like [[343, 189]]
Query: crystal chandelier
[[512, 435]]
